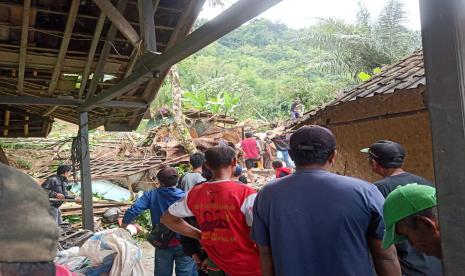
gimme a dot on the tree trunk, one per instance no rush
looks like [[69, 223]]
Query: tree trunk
[[180, 128]]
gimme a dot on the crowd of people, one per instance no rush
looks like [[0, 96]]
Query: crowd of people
[[308, 221]]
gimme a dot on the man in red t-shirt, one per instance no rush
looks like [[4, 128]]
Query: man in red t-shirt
[[251, 149], [223, 209]]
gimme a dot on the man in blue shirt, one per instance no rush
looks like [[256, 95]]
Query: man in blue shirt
[[332, 225], [157, 201]]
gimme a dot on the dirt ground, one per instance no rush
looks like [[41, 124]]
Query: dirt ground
[[148, 256]]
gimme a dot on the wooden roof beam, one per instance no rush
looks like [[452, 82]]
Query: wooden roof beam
[[64, 45], [38, 101], [147, 24], [6, 122], [232, 18], [23, 49], [111, 34], [119, 21], [80, 15], [90, 57]]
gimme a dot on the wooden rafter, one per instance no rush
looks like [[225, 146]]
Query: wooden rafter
[[147, 24], [6, 119], [90, 57], [111, 34], [26, 126], [23, 49], [119, 21], [64, 45]]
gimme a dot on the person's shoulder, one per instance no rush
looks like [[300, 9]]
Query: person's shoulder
[[419, 180], [353, 182]]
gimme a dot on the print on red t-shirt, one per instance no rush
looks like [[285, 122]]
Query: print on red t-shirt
[[225, 234]]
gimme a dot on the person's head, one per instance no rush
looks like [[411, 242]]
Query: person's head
[[167, 177], [385, 156], [248, 135], [31, 235], [313, 146], [277, 164], [64, 170], [410, 213], [208, 216], [197, 159], [220, 157]]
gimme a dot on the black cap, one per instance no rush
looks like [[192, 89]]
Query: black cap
[[388, 153], [312, 138]]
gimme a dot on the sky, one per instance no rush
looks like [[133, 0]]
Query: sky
[[302, 13]]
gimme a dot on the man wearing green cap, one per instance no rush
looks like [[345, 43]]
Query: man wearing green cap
[[410, 213]]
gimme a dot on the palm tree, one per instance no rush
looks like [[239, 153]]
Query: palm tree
[[363, 46]]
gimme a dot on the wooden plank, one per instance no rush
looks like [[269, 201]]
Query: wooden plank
[[6, 122], [90, 57], [104, 53], [443, 32], [26, 126], [119, 21], [64, 45], [37, 101], [239, 13], [24, 40], [147, 24], [86, 180]]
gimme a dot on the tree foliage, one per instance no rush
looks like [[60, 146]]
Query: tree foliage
[[264, 66]]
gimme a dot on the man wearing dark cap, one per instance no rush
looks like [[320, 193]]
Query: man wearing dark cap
[[28, 233], [55, 186], [157, 201], [332, 225], [386, 159]]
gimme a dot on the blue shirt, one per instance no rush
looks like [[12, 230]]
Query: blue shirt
[[157, 200], [317, 223]]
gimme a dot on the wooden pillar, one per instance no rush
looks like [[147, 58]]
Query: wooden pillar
[[86, 183], [443, 32]]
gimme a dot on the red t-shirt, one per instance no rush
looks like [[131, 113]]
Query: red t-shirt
[[249, 146], [224, 212], [284, 170]]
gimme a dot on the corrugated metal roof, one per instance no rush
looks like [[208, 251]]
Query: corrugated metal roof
[[406, 74]]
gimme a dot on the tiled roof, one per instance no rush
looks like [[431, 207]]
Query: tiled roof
[[406, 74]]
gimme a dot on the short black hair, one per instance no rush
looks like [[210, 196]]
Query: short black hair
[[62, 169], [314, 157], [248, 135], [197, 159], [167, 177], [218, 157], [277, 164]]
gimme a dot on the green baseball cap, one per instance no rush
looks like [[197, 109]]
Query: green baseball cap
[[403, 202]]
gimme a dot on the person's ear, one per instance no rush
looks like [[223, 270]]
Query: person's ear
[[427, 224], [234, 162], [332, 157]]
